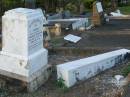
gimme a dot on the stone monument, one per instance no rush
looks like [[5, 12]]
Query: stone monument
[[98, 15], [23, 56]]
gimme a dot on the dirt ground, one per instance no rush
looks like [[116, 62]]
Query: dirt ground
[[114, 34], [102, 85]]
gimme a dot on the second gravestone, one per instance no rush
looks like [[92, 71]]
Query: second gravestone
[[98, 14], [23, 56]]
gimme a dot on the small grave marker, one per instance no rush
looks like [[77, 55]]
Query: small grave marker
[[72, 38]]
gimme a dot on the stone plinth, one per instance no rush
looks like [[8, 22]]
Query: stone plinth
[[23, 56]]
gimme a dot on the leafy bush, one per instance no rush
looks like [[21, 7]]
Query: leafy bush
[[88, 3], [71, 7]]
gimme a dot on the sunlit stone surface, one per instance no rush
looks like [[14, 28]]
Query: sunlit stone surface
[[75, 71], [23, 56]]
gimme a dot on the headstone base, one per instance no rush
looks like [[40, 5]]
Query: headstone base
[[31, 69], [42, 76]]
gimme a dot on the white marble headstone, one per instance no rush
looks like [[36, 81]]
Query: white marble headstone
[[99, 7], [22, 44], [22, 31]]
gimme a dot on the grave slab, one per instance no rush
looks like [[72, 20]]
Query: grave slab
[[75, 71], [72, 38]]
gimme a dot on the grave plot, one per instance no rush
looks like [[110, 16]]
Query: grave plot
[[98, 86], [110, 36]]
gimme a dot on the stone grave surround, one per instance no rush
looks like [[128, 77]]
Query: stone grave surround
[[80, 70], [23, 56]]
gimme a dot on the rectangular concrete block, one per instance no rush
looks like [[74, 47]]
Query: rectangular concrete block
[[72, 72], [83, 22]]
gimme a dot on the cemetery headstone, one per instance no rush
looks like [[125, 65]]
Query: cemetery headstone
[[98, 15], [83, 22], [23, 56]]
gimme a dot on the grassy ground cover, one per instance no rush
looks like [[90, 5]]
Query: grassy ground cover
[[125, 9]]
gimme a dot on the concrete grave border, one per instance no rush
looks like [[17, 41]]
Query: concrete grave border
[[72, 72]]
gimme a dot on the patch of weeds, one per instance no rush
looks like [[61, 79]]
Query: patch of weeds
[[57, 41], [60, 84], [126, 70], [129, 85]]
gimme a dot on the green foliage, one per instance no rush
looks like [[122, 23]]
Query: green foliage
[[88, 3], [60, 84], [10, 4], [58, 41], [125, 10], [126, 70], [71, 7], [107, 4]]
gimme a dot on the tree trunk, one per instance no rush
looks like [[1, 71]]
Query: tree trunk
[[81, 7]]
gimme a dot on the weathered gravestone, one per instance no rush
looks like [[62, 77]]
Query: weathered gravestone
[[82, 22], [98, 15], [23, 56]]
